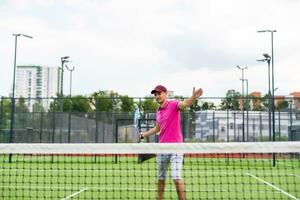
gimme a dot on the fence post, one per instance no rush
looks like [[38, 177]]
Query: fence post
[[61, 113], [53, 121], [227, 119], [183, 125], [279, 125], [1, 115], [213, 126], [69, 127], [97, 120], [12, 121], [41, 126], [2, 133], [247, 113], [116, 139], [253, 129], [260, 126], [291, 114], [234, 126]]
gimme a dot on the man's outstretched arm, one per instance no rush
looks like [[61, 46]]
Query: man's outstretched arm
[[188, 102]]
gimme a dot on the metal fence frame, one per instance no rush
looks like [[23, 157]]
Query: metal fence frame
[[56, 127]]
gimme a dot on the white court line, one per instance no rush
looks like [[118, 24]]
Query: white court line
[[284, 164], [294, 175], [125, 189], [74, 194], [273, 186]]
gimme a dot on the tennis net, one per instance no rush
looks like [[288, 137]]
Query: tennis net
[[269, 170]]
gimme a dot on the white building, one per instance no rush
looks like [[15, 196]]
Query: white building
[[34, 81], [228, 126]]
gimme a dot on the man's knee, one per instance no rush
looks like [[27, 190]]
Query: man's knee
[[177, 181]]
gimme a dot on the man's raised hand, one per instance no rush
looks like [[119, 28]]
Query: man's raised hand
[[197, 93]]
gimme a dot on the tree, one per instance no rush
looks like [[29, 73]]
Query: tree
[[21, 107], [127, 104], [105, 102], [5, 112], [51, 107], [22, 115], [149, 105], [195, 106], [66, 104], [208, 106], [231, 101], [38, 107], [80, 103], [265, 102], [282, 105], [256, 103]]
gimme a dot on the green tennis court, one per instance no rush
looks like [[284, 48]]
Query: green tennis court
[[101, 177]]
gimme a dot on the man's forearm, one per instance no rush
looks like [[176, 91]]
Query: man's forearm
[[188, 102], [151, 131]]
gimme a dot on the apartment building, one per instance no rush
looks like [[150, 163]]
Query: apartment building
[[35, 81]]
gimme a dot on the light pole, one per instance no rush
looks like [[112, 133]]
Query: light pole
[[61, 106], [247, 106], [70, 70], [69, 131], [12, 114], [242, 70], [272, 58], [63, 61], [268, 59]]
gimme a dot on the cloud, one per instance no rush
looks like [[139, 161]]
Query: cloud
[[193, 52], [129, 46]]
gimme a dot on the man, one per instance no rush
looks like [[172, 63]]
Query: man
[[168, 126]]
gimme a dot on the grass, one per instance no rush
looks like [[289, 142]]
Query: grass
[[99, 177]]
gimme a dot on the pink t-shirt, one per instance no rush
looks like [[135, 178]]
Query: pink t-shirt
[[168, 119]]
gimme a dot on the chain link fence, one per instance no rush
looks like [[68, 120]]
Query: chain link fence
[[45, 124]]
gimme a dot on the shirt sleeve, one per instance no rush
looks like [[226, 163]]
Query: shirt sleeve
[[175, 105]]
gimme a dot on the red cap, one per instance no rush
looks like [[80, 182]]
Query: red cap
[[159, 88]]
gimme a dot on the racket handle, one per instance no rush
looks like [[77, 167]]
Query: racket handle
[[141, 138]]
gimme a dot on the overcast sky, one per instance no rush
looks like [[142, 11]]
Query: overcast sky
[[132, 45]]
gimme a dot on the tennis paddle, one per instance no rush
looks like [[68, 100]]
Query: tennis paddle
[[137, 122]]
